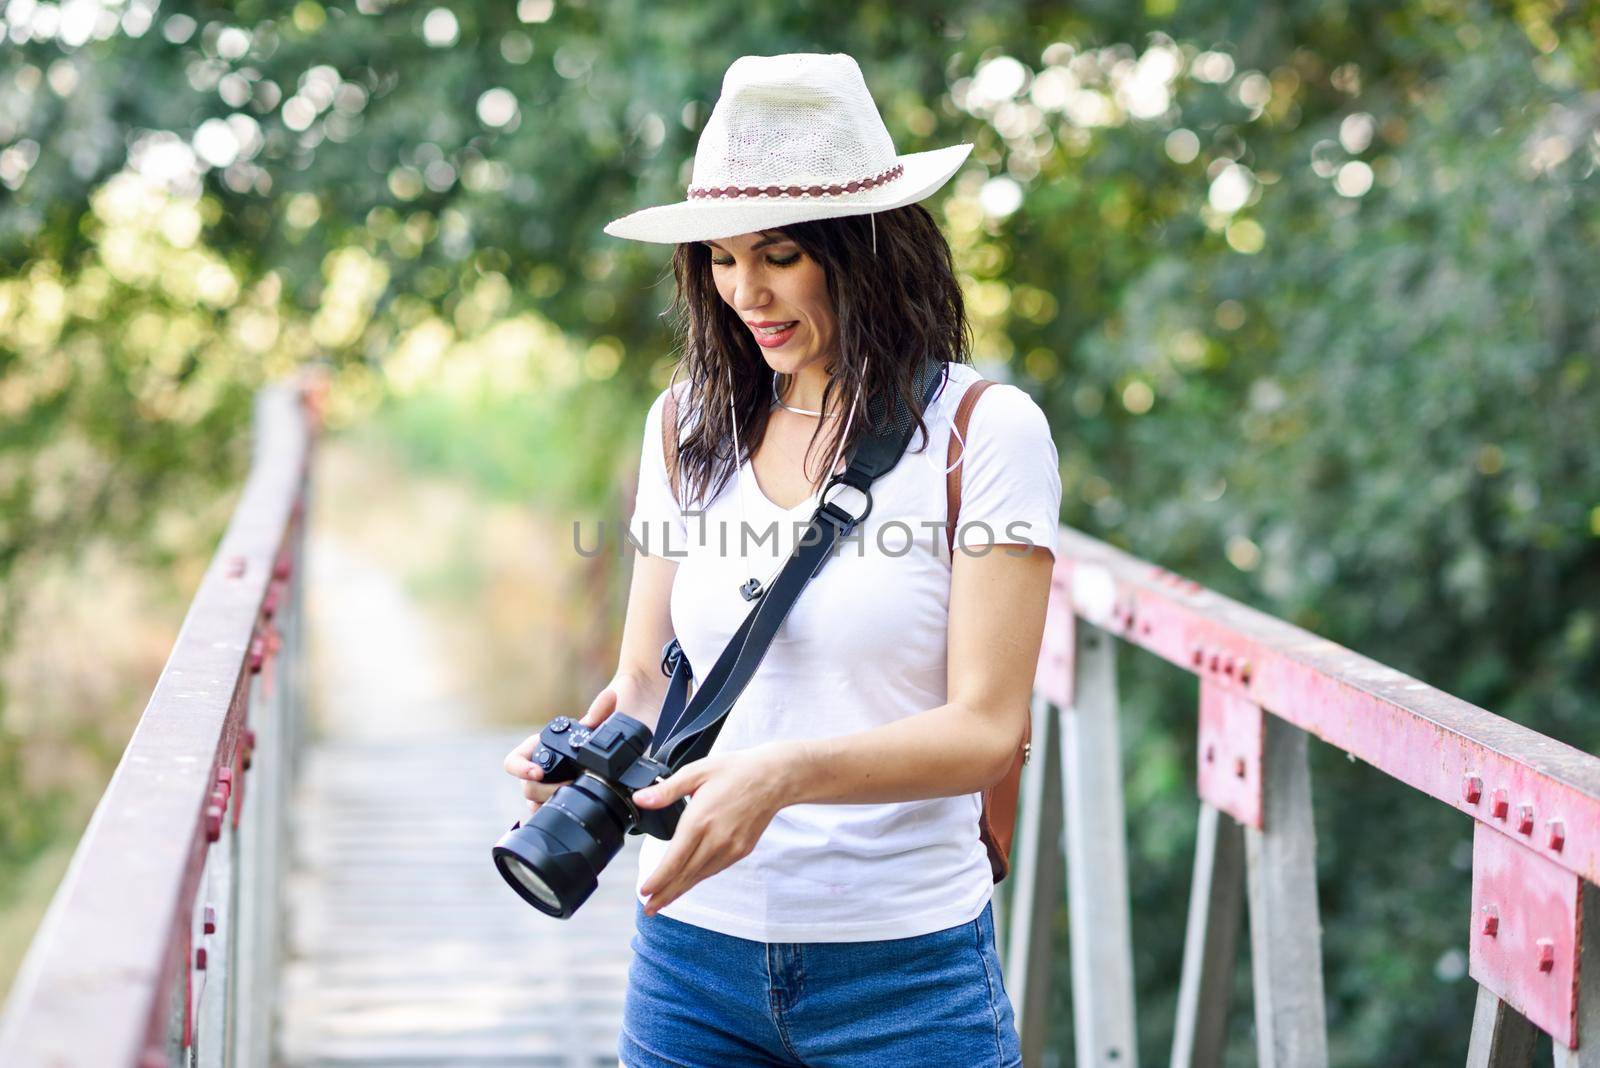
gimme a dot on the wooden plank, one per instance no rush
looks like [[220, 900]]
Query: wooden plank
[[1211, 943], [404, 944], [1501, 1036], [1036, 890], [1097, 862], [1285, 929]]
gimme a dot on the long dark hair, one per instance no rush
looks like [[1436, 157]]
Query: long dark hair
[[894, 309]]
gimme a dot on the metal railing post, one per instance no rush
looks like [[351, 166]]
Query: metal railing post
[[1587, 1055], [275, 714], [211, 959], [1285, 929], [1501, 1036], [247, 984], [1036, 887], [1211, 942], [1097, 862]]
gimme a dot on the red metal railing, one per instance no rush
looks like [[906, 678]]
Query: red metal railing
[[1265, 687], [159, 946]]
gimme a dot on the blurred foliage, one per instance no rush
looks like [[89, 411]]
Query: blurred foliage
[[1307, 289]]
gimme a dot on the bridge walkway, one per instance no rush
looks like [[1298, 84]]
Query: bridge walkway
[[403, 947]]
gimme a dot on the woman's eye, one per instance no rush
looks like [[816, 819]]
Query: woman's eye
[[776, 261]]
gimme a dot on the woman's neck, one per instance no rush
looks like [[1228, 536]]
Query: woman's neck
[[805, 389]]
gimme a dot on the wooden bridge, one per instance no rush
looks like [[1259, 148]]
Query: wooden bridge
[[248, 895]]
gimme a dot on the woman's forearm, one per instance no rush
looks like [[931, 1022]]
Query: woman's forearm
[[943, 752]]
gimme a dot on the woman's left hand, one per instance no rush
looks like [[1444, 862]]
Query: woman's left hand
[[735, 797]]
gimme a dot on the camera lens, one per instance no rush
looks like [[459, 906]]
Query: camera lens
[[553, 861], [530, 882]]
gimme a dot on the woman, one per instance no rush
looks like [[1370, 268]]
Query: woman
[[826, 897]]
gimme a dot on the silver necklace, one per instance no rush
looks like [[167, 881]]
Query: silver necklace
[[790, 407], [754, 587]]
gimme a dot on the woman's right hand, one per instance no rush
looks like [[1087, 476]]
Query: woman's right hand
[[520, 765]]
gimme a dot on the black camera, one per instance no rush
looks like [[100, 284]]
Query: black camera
[[554, 859]]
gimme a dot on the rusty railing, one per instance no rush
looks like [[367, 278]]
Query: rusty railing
[[161, 944], [1265, 687]]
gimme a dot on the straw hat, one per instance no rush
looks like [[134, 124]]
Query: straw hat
[[792, 138]]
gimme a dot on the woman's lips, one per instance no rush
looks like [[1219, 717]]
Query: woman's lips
[[771, 339]]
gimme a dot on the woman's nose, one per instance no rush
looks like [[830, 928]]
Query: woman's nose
[[750, 290]]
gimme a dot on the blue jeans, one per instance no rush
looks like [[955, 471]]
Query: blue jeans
[[700, 999]]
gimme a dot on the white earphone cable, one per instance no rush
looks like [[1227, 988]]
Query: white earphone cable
[[815, 496], [738, 467]]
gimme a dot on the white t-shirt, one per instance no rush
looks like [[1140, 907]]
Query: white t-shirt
[[864, 645]]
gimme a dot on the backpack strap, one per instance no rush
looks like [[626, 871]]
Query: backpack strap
[[953, 464]]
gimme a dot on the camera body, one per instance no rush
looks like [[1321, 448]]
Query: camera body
[[613, 752], [554, 858]]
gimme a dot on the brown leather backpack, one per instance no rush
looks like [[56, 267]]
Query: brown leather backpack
[[998, 818]]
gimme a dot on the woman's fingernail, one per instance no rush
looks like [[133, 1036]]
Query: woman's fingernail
[[645, 796]]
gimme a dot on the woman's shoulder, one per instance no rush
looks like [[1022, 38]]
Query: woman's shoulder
[[1002, 404]]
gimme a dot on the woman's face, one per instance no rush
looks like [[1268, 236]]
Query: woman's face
[[781, 296]]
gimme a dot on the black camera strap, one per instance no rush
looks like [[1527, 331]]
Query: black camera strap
[[686, 730]]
